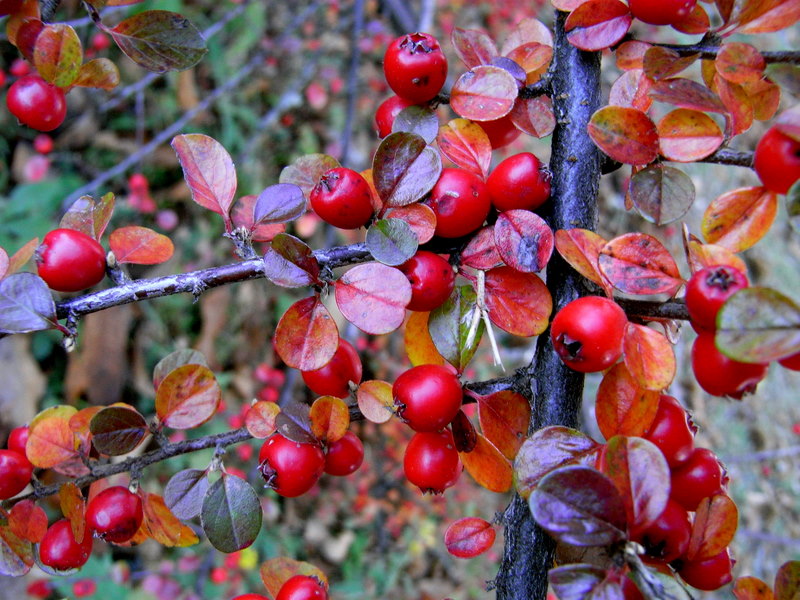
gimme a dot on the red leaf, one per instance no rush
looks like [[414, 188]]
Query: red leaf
[[528, 30], [209, 172], [696, 22], [660, 63], [632, 90], [373, 297], [260, 419], [715, 523], [306, 336], [467, 145], [57, 54], [523, 239], [481, 251], [625, 134], [3, 263], [473, 47], [630, 55], [469, 537], [242, 216], [598, 24], [420, 217], [488, 467], [740, 63], [534, 58], [637, 263], [686, 93], [28, 521], [534, 116], [188, 397], [738, 105], [767, 16], [688, 135], [504, 418], [518, 303], [623, 407], [140, 246], [485, 93]]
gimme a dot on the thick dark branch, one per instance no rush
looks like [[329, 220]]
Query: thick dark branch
[[730, 157], [711, 52]]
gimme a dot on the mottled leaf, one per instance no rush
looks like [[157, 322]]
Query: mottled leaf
[[306, 336], [162, 525], [787, 581], [625, 134], [27, 521], [98, 73], [523, 239], [57, 54], [581, 249], [686, 93], [50, 439], [752, 588], [140, 246], [176, 359], [187, 397], [623, 407], [739, 218], [687, 135], [481, 251], [404, 168], [660, 63], [637, 263]]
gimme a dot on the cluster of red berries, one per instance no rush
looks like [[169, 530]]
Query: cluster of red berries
[[297, 587], [70, 261], [15, 468], [777, 160]]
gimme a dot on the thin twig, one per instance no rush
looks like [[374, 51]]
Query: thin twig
[[730, 157], [778, 56]]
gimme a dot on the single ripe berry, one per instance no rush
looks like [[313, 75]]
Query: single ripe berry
[[707, 291], [69, 260], [587, 333], [18, 439], [36, 103], [431, 461], [661, 12], [667, 537], [60, 551], [415, 67], [43, 143], [699, 477], [342, 198], [460, 201], [386, 113], [344, 456], [15, 473], [302, 587], [672, 431], [708, 574], [290, 468], [427, 397], [777, 161], [115, 514], [432, 280], [333, 378], [722, 376], [519, 181], [501, 132]]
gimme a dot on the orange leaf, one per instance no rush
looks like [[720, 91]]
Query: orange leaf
[[687, 135], [534, 58], [140, 246], [488, 467], [17, 552], [739, 218], [306, 337], [504, 418], [581, 249], [260, 419], [534, 116], [469, 537], [736, 100], [623, 407], [767, 16], [28, 521], [649, 357], [630, 55], [375, 400], [163, 526], [73, 506], [276, 571], [50, 439], [467, 145], [752, 588], [700, 255], [187, 397], [57, 54], [484, 93], [739, 62], [528, 30], [765, 97], [418, 343], [22, 256], [330, 418], [660, 63], [637, 263], [715, 523], [625, 134]]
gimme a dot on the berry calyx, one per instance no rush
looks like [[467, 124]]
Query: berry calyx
[[70, 261], [15, 473], [60, 551], [290, 468], [427, 397], [432, 280], [333, 378], [777, 161], [36, 103], [302, 587], [342, 197], [708, 574], [386, 113], [672, 431], [661, 12], [460, 201], [722, 376], [344, 456], [699, 477], [707, 291], [415, 67], [115, 514], [588, 332], [519, 181], [431, 461]]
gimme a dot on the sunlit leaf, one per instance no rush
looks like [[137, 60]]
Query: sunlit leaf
[[73, 507], [140, 246], [631, 90], [306, 171], [276, 571], [518, 303], [485, 93], [488, 467], [713, 528], [375, 400], [624, 407], [173, 360], [260, 419], [637, 263], [739, 218], [649, 357], [50, 439], [162, 525], [625, 134], [526, 31], [418, 342], [687, 135], [187, 397], [581, 249], [467, 145], [330, 418], [505, 417], [598, 24]]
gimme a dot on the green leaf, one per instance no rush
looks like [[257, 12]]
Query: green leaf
[[185, 492], [449, 326], [391, 241], [231, 514]]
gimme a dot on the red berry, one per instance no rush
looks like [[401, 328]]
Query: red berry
[[386, 112], [587, 333], [427, 397], [345, 455], [9, 6], [672, 431], [15, 473], [250, 597], [43, 143], [415, 67], [790, 362], [667, 537], [218, 575], [60, 551], [661, 12], [41, 588], [777, 161], [69, 260], [138, 183], [707, 291], [432, 280], [332, 379], [115, 514], [460, 201], [19, 67], [18, 439], [630, 591], [501, 132], [36, 103], [699, 477], [519, 182], [100, 41], [431, 461], [708, 574], [290, 468], [302, 587], [722, 376], [83, 588], [342, 198]]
